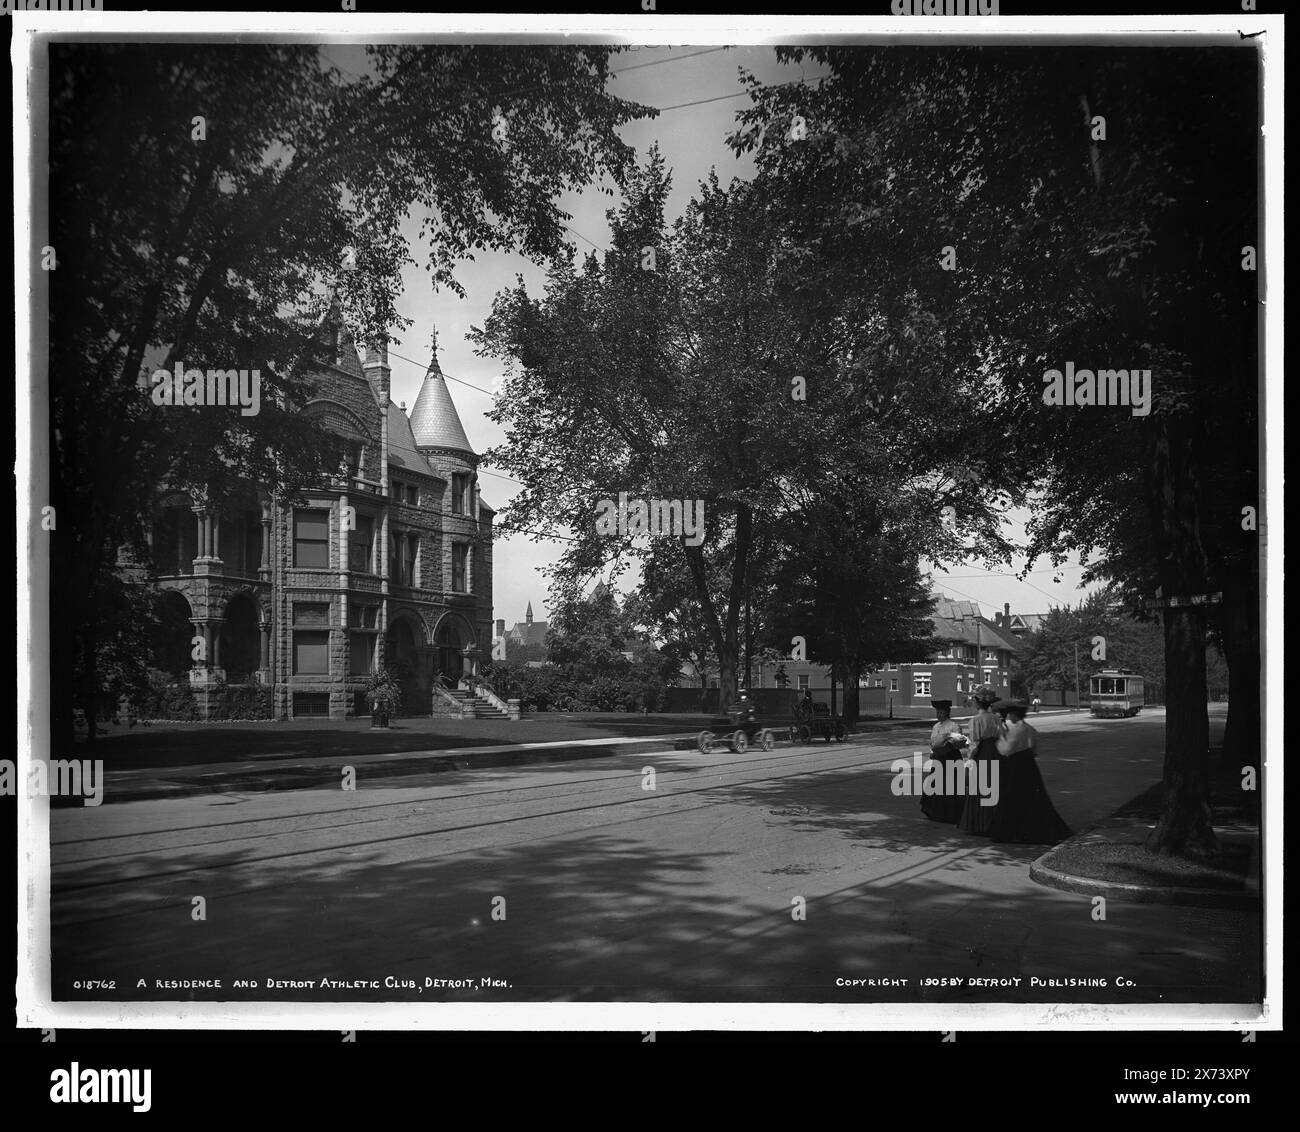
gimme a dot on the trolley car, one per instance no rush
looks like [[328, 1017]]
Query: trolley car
[[1116, 692]]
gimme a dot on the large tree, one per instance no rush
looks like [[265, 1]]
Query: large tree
[[693, 362], [205, 204], [1068, 205], [846, 579]]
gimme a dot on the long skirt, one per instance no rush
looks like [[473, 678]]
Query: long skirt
[[974, 817], [943, 807], [1024, 813]]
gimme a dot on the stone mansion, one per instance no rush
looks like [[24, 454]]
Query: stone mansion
[[387, 566]]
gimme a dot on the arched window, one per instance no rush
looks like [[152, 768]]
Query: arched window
[[173, 634]]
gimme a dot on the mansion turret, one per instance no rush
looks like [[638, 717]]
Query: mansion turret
[[279, 609]]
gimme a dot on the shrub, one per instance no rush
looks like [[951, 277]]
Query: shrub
[[167, 698], [242, 701]]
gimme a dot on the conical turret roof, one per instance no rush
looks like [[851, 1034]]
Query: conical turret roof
[[434, 420]]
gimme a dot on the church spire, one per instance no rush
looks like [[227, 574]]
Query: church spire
[[528, 615]]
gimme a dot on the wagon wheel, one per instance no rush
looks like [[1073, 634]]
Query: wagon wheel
[[805, 733], [705, 742], [766, 739], [740, 742]]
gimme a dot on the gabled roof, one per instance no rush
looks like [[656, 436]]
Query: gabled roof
[[1029, 622], [434, 420], [964, 630], [529, 632], [402, 452], [949, 609]]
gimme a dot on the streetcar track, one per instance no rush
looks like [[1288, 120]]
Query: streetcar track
[[396, 837], [456, 798], [373, 805]]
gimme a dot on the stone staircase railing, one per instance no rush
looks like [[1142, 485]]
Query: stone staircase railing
[[508, 707], [444, 703]]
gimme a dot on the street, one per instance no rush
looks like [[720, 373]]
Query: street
[[779, 876]]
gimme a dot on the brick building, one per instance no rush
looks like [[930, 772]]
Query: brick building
[[974, 651], [388, 566]]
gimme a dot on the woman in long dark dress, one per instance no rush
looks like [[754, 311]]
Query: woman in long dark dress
[[946, 742], [976, 818], [1024, 813]]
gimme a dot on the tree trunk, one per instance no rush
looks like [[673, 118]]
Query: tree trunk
[[88, 685], [728, 670], [852, 696], [1185, 827], [65, 640], [1241, 732]]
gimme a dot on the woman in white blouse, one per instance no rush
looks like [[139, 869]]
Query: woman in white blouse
[[976, 818], [946, 742], [1024, 812]]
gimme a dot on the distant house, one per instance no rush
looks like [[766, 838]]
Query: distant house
[[1020, 625], [508, 642], [974, 651]]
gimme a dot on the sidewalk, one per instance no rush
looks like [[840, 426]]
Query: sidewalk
[[166, 769], [1110, 860]]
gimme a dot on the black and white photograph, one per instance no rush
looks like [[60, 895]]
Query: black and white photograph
[[770, 521]]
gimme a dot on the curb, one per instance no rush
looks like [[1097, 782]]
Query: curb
[[310, 777], [1243, 898]]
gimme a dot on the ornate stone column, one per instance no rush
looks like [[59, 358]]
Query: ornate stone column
[[265, 564], [201, 533], [264, 663]]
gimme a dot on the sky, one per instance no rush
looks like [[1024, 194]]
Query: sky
[[691, 139]]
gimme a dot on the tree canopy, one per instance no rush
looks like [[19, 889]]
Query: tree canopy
[[207, 203]]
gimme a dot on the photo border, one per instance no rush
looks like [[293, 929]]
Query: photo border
[[34, 30]]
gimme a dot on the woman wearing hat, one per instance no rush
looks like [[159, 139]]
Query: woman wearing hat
[[1024, 812], [946, 742], [976, 818]]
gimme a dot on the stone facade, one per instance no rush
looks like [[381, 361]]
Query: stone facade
[[381, 568]]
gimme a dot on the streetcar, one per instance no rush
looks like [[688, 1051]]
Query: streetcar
[[1116, 692]]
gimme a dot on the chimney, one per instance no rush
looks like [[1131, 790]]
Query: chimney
[[1006, 615], [501, 627], [376, 369]]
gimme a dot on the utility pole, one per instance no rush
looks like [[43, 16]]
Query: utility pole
[[1076, 676]]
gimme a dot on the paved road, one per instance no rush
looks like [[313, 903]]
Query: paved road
[[683, 892]]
